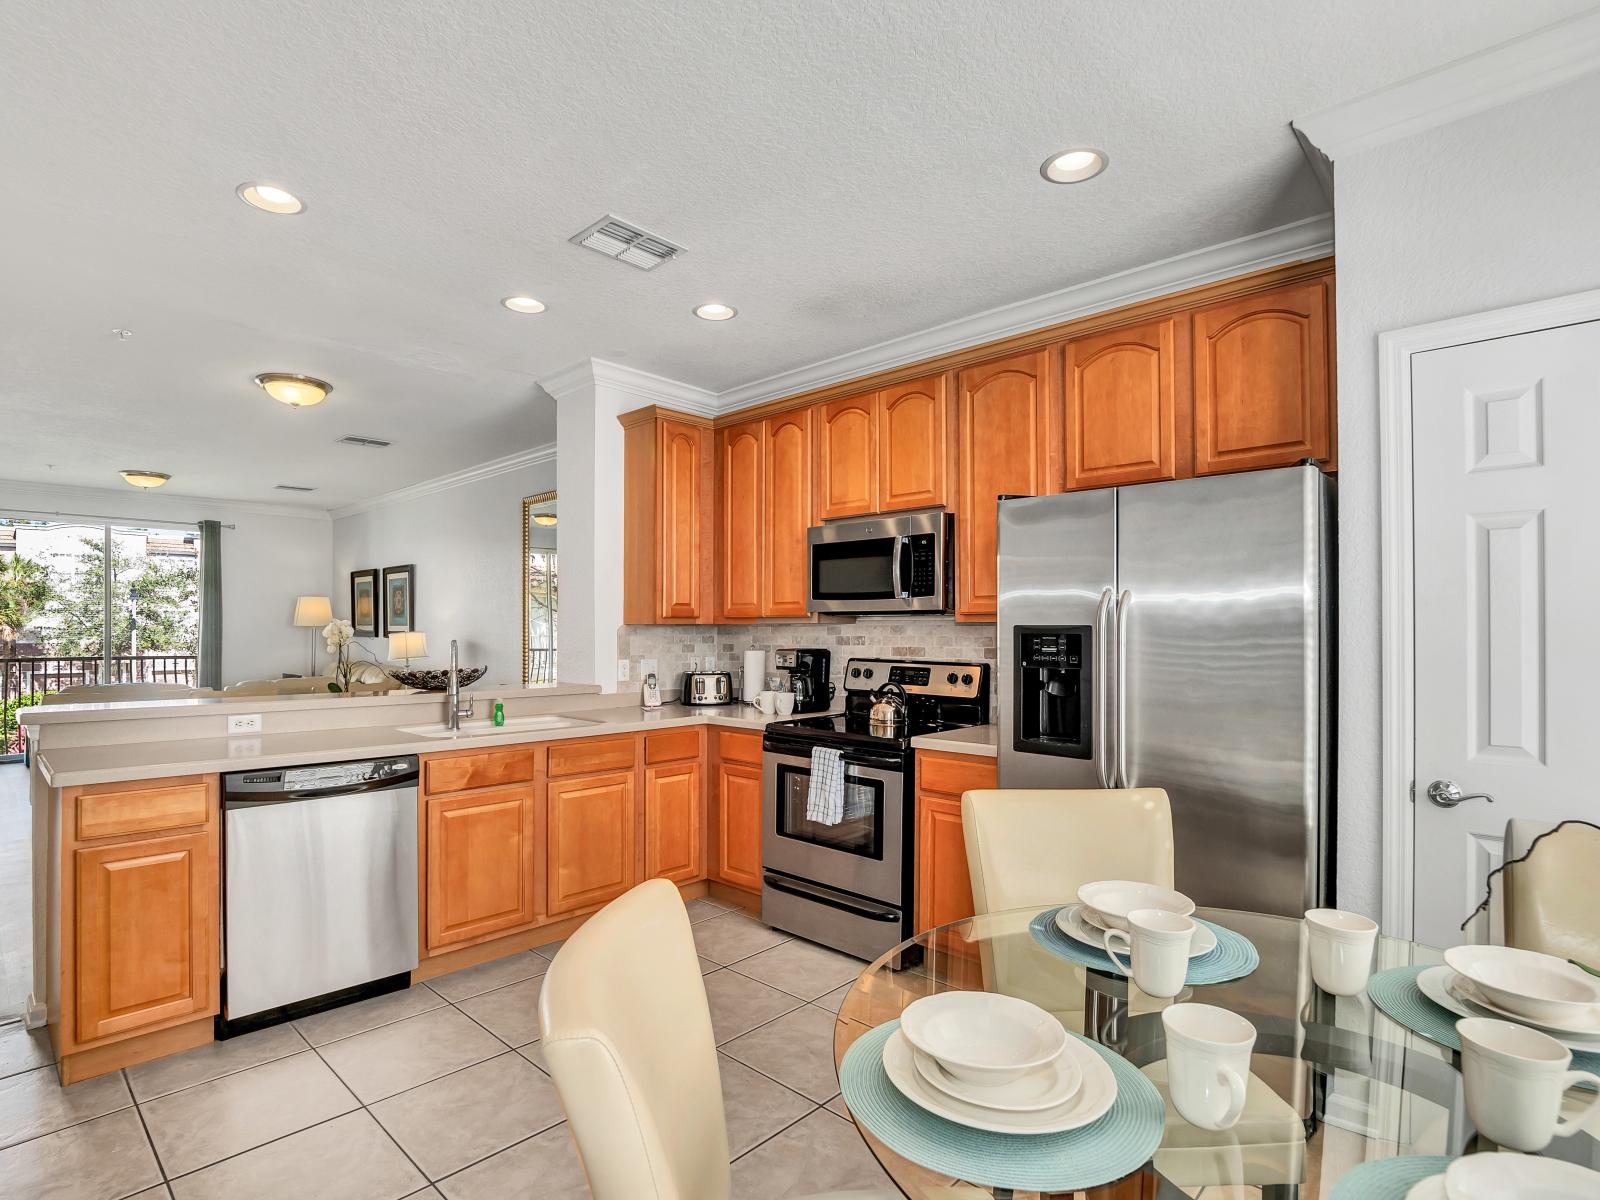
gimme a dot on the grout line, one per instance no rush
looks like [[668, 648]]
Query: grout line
[[304, 1046], [54, 1071], [780, 1132], [161, 1167]]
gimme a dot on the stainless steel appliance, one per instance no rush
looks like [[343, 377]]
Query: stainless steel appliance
[[849, 885], [1177, 635], [808, 677], [319, 888], [707, 687], [895, 563]]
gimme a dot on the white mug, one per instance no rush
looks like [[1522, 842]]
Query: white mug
[[1514, 1078], [1341, 949], [767, 701], [1208, 1063], [1158, 944], [785, 703]]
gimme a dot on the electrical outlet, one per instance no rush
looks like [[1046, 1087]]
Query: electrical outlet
[[622, 670], [647, 667], [244, 723], [694, 663]]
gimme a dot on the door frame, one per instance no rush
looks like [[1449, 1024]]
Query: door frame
[[1397, 611]]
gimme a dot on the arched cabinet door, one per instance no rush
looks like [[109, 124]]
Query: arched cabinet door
[[1128, 412], [785, 552], [846, 455], [740, 493], [914, 444], [1262, 392]]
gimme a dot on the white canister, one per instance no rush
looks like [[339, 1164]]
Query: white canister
[[1513, 1078], [1208, 1063], [755, 670], [1341, 949], [1158, 944]]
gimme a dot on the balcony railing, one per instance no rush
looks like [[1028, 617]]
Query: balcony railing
[[24, 681], [541, 666]]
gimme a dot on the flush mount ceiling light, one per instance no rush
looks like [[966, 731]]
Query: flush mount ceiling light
[[716, 312], [1074, 165], [144, 479], [523, 304], [270, 199], [297, 391], [544, 518]]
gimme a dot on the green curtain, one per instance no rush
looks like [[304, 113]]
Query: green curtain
[[210, 604]]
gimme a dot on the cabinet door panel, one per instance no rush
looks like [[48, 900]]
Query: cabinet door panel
[[145, 932], [1262, 396], [847, 457], [785, 557], [479, 864], [913, 444], [674, 830], [739, 825], [591, 841], [740, 497], [683, 491], [944, 889], [1126, 395], [1009, 435]]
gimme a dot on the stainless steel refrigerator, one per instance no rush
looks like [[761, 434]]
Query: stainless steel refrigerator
[[1179, 635]]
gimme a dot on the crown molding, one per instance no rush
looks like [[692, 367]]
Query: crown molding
[[1309, 238], [443, 483], [109, 505], [651, 389], [1520, 67]]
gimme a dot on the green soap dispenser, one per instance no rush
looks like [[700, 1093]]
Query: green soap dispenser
[[497, 713]]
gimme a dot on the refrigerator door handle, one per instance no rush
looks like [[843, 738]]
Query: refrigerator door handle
[[1102, 701], [1122, 688]]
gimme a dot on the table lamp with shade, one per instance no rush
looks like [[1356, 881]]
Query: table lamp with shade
[[312, 612], [408, 645]]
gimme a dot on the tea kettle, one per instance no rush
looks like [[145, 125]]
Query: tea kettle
[[887, 716]]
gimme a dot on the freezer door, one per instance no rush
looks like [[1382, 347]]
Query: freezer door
[[1057, 576], [1221, 616]]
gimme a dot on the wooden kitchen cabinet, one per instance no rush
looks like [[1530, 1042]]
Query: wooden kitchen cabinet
[[739, 825], [668, 527], [1262, 392], [674, 830], [742, 508], [944, 886], [479, 864], [914, 444], [1008, 417], [590, 830], [846, 453], [1128, 405], [786, 508]]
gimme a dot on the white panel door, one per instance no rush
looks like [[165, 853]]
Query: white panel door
[[1506, 457]]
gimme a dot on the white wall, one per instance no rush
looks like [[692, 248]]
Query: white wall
[[272, 556], [1494, 210], [466, 543]]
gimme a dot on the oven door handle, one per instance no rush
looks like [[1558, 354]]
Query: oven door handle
[[862, 908]]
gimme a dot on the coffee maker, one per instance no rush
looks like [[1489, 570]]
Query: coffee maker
[[808, 678]]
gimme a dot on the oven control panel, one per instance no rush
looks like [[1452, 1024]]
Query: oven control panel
[[955, 680]]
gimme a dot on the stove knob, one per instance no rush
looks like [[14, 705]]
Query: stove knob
[[855, 672], [952, 677], [967, 679], [867, 672]]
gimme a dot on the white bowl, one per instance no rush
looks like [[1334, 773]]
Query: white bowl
[[983, 1038], [1527, 1176], [1537, 986], [1113, 899]]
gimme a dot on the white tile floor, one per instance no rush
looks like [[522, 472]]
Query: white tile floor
[[434, 1091]]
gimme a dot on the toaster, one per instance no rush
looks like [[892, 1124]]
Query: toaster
[[707, 687]]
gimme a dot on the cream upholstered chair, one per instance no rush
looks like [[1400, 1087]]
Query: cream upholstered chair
[[627, 1037], [1549, 898]]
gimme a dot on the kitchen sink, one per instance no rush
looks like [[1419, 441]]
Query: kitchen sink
[[482, 727]]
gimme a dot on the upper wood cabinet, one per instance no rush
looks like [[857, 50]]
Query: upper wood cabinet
[[591, 821], [741, 504], [786, 496], [668, 535], [846, 439], [1128, 405], [1261, 380], [479, 864], [1008, 418], [914, 444]]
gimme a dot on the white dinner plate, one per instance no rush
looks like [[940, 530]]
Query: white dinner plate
[[1442, 985], [1094, 1096], [1050, 1086], [1525, 1176], [1075, 923], [1431, 1188]]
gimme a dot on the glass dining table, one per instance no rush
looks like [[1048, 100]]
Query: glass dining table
[[1334, 1083]]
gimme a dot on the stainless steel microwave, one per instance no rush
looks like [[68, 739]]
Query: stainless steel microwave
[[895, 563]]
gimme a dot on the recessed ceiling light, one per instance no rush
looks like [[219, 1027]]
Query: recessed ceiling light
[[1073, 166], [523, 304], [716, 312], [297, 391], [144, 479], [270, 199]]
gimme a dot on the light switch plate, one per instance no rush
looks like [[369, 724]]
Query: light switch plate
[[622, 670], [244, 723]]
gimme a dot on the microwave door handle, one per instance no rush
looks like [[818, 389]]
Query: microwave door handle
[[1102, 698], [894, 568], [1122, 688]]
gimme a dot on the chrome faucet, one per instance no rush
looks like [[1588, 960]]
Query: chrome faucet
[[452, 702]]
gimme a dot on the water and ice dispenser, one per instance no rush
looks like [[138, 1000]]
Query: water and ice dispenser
[[1055, 690]]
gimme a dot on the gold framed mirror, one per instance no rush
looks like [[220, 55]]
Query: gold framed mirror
[[541, 593]]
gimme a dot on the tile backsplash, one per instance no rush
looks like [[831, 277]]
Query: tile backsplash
[[890, 637]]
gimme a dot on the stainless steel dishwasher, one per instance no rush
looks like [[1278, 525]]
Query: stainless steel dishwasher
[[319, 888]]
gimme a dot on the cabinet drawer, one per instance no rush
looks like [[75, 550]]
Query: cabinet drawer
[[590, 755], [739, 747], [953, 774], [492, 768], [144, 810], [671, 745]]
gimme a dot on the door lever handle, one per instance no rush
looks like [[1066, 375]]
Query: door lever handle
[[1447, 794]]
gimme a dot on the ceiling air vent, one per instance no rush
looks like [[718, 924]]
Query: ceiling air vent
[[617, 239], [292, 487], [355, 439]]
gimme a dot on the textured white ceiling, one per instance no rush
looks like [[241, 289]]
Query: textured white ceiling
[[841, 172]]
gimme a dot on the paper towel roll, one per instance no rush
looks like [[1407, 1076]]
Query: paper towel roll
[[755, 675]]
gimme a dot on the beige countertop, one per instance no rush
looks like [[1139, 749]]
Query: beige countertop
[[980, 740], [72, 766]]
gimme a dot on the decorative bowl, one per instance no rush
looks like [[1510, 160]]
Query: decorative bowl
[[1538, 987], [1111, 900], [985, 1038], [437, 680]]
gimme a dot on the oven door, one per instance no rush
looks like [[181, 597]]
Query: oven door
[[862, 854]]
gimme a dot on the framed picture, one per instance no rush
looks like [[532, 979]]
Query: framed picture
[[365, 614], [399, 598]]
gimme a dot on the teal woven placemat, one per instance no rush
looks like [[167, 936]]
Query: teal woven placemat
[[1388, 1178], [1105, 1150], [1234, 957], [1395, 991]]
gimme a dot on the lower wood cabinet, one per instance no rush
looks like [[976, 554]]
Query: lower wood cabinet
[[590, 827], [739, 825], [944, 887], [674, 822], [479, 864]]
